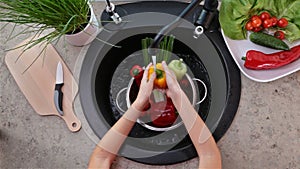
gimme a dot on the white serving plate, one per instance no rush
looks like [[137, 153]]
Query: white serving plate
[[239, 48]]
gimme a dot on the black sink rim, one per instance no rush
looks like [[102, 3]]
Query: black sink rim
[[233, 80]]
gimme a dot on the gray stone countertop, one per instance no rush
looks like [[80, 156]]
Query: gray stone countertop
[[264, 134]]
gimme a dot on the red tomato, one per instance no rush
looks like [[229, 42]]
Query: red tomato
[[257, 29], [256, 21], [279, 34], [249, 26], [267, 23], [265, 15], [282, 23], [274, 21]]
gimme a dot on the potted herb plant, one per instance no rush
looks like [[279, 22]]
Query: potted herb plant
[[52, 19]]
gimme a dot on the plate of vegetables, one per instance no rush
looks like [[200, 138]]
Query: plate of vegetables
[[263, 36]]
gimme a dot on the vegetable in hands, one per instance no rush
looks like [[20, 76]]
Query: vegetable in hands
[[259, 61], [160, 81]]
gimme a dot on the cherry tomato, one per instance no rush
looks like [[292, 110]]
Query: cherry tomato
[[265, 15], [257, 29], [274, 21], [282, 23], [249, 26], [279, 34], [267, 23], [256, 21]]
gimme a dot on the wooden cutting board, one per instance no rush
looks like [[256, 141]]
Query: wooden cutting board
[[35, 74]]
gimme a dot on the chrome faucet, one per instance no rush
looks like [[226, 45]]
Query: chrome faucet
[[110, 9]]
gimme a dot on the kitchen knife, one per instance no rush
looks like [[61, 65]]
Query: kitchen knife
[[58, 95]]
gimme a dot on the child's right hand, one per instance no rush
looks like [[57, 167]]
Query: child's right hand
[[174, 89]]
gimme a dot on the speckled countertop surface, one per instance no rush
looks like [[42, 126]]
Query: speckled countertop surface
[[264, 134]]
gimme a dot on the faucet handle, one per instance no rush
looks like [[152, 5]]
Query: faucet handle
[[113, 15]]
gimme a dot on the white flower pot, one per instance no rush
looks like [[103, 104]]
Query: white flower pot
[[87, 35]]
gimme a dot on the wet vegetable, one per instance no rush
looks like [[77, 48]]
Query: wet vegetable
[[178, 67], [137, 73], [259, 61], [165, 46], [163, 114], [160, 81]]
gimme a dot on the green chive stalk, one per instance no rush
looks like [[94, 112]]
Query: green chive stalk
[[145, 52], [52, 18], [165, 46]]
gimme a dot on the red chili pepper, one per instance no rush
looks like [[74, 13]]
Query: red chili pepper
[[258, 60]]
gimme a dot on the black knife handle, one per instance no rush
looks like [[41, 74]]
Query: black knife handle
[[58, 98]]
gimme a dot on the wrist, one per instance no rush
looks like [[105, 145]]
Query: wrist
[[137, 106], [132, 114], [176, 94]]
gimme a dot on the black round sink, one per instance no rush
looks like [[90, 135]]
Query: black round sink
[[105, 72]]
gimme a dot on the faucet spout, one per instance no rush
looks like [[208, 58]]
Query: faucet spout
[[168, 28], [207, 14], [211, 5]]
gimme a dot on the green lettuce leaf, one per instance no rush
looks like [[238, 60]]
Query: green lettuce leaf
[[291, 12], [234, 14]]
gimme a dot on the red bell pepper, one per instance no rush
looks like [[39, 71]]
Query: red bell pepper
[[163, 114], [258, 60], [137, 73]]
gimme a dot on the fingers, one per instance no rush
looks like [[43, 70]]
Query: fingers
[[168, 71], [145, 75], [165, 66], [152, 78]]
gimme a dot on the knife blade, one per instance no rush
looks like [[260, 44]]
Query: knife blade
[[58, 94]]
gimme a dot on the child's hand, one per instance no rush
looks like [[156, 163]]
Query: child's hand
[[145, 91], [174, 89]]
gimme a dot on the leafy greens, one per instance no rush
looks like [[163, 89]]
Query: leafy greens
[[234, 14]]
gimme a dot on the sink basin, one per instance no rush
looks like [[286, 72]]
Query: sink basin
[[105, 71]]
